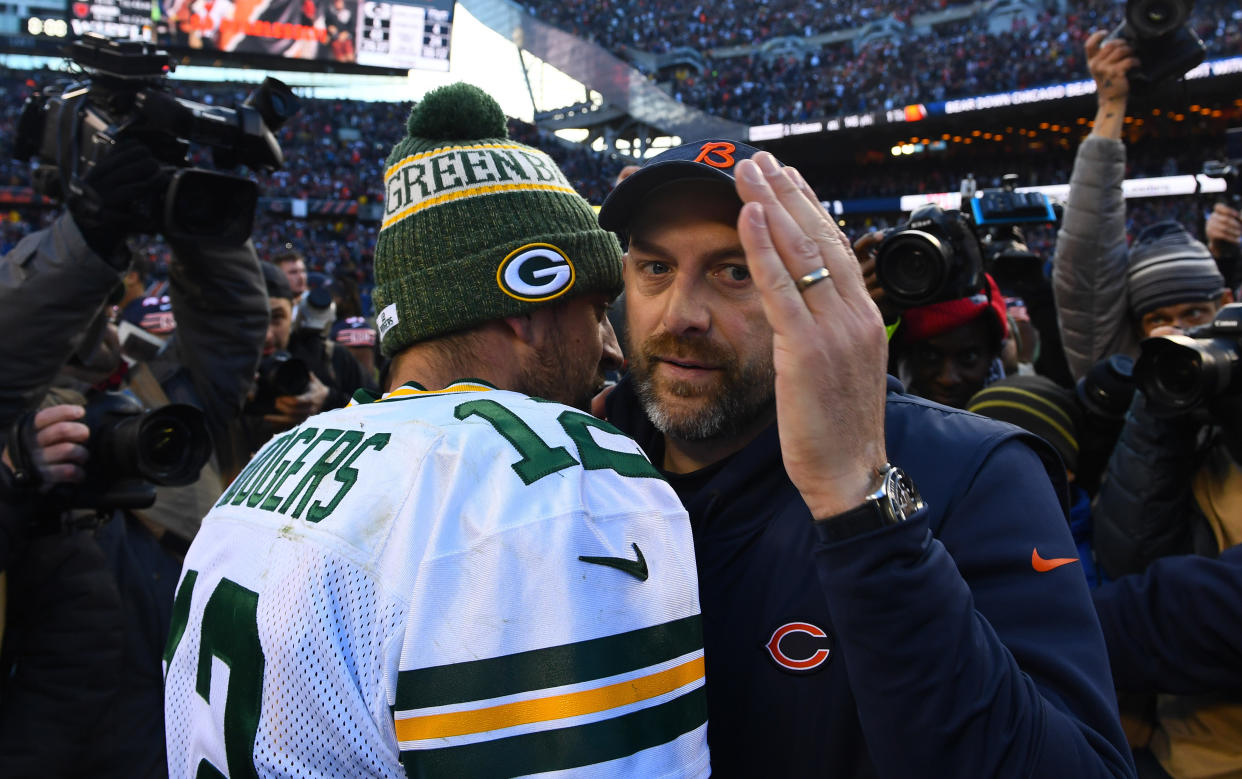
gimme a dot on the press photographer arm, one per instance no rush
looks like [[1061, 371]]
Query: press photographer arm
[[55, 283], [1223, 229], [221, 311], [1224, 236], [1089, 268]]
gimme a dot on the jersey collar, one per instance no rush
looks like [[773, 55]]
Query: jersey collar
[[412, 389]]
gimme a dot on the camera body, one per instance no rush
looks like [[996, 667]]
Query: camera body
[[931, 257], [1180, 373], [67, 128], [132, 450], [280, 374], [939, 255], [1162, 39]]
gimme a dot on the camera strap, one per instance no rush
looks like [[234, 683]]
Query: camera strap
[[22, 445]]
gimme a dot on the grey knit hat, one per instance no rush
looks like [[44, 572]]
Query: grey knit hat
[[1168, 266]]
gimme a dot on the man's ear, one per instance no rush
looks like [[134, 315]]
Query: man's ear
[[1226, 297], [523, 327]]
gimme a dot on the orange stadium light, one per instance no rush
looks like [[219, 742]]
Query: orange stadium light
[[916, 112]]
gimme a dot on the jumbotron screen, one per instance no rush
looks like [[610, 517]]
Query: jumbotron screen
[[377, 33]]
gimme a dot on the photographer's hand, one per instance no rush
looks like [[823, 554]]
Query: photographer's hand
[[1109, 62], [1223, 230], [293, 410], [866, 250], [59, 450], [113, 199]]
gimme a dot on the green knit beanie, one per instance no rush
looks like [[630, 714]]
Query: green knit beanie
[[478, 227]]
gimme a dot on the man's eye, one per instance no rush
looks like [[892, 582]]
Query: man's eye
[[655, 268], [736, 273]]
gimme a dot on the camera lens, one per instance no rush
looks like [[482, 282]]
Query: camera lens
[[1178, 375], [290, 377], [172, 443], [210, 206], [164, 443], [912, 267], [1154, 18]]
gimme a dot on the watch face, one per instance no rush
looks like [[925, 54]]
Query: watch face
[[903, 496]]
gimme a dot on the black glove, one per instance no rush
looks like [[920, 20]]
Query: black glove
[[116, 198]]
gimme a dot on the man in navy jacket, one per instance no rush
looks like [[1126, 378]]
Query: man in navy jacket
[[851, 628]]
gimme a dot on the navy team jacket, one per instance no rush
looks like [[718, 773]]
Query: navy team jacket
[[956, 644]]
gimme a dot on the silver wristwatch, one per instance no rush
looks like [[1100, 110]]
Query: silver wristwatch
[[894, 501]]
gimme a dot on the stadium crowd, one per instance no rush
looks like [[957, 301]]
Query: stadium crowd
[[661, 25], [777, 398], [346, 140], [928, 65]]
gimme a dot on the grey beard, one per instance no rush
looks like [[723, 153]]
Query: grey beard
[[722, 417]]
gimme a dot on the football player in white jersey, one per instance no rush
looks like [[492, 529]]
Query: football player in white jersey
[[462, 577]]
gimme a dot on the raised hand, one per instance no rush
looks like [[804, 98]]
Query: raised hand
[[829, 344]]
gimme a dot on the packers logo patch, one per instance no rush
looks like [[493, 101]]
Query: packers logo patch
[[799, 647], [536, 272]]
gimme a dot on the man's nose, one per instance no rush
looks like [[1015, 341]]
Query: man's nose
[[612, 359], [686, 310], [947, 376]]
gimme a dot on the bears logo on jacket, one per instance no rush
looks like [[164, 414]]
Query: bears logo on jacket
[[799, 647]]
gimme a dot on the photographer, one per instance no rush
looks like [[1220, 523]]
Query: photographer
[[54, 287], [63, 628], [949, 351], [944, 351], [1109, 297], [334, 365], [334, 372], [1173, 483]]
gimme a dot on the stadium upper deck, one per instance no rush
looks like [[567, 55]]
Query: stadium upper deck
[[923, 64]]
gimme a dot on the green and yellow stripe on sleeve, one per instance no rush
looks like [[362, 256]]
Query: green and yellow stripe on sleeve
[[555, 708]]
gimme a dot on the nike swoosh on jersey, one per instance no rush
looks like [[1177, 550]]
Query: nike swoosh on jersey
[[1042, 565], [636, 568]]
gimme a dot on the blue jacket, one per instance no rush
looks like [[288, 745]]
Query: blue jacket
[[931, 648], [1177, 628]]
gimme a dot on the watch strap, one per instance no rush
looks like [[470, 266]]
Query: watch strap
[[861, 519]]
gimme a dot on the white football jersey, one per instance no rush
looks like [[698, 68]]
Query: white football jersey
[[465, 582]]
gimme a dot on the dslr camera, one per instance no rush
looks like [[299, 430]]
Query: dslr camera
[[939, 255], [280, 374], [67, 127], [933, 256], [1160, 33], [1179, 373], [131, 451]]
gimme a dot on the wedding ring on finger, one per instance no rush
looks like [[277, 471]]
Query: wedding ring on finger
[[812, 278]]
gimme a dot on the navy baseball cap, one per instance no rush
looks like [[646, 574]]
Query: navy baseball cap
[[708, 159]]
